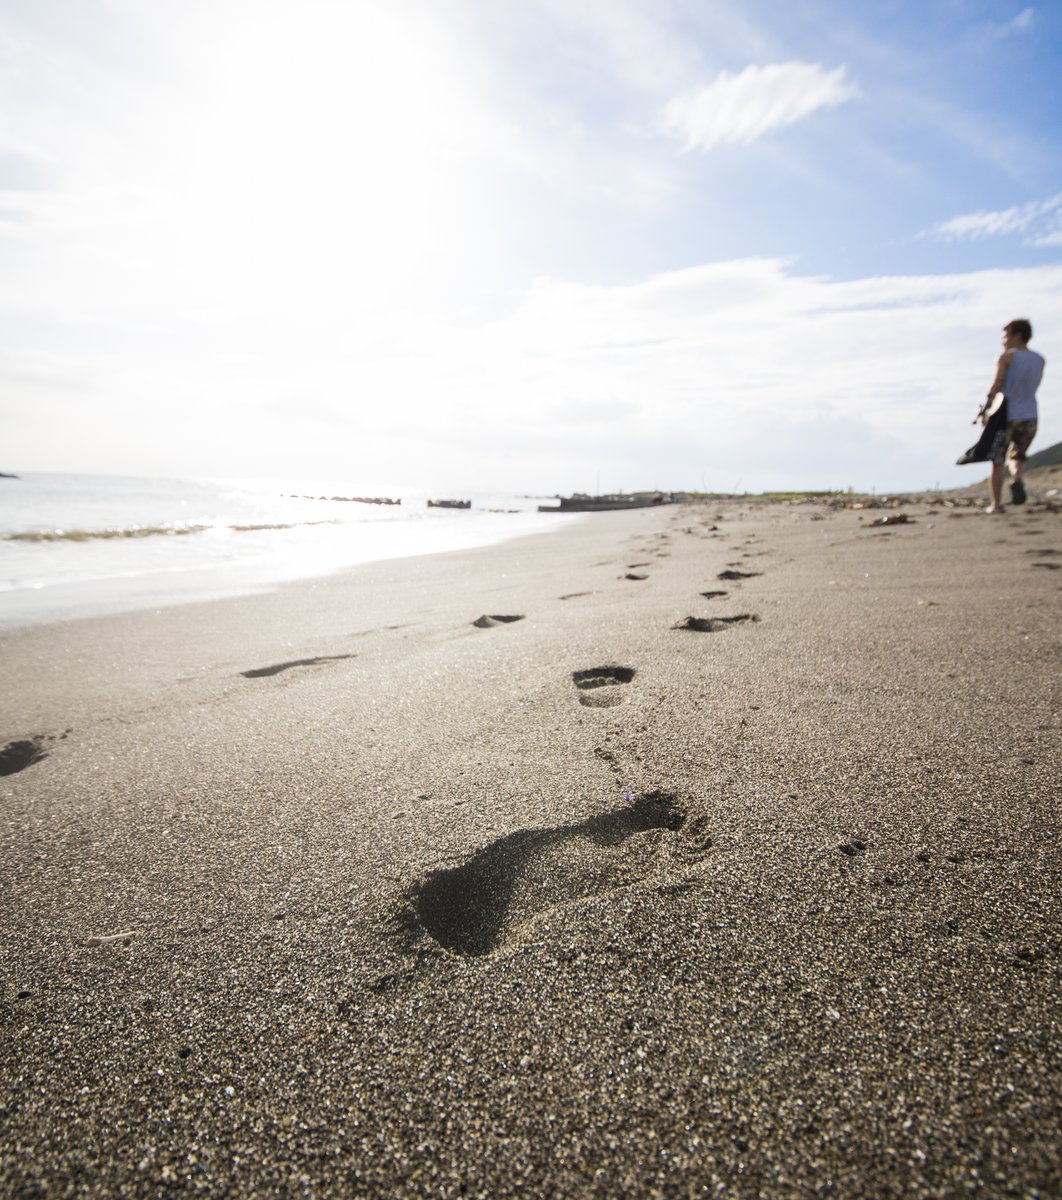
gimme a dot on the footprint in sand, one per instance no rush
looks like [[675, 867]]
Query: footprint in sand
[[603, 687], [713, 624], [276, 668], [634, 575], [487, 903], [713, 595], [852, 848], [1048, 566], [738, 574], [17, 756], [490, 620]]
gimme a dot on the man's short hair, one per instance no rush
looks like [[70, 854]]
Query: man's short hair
[[1021, 327]]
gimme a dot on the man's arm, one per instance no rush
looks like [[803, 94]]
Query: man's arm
[[1002, 367]]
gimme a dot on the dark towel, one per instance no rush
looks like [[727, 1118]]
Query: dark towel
[[988, 444]]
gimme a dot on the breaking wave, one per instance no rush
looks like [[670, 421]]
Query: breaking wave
[[144, 531]]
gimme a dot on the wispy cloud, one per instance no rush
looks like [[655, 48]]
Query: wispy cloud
[[1039, 220], [1016, 25], [753, 103]]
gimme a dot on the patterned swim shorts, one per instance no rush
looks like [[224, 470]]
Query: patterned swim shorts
[[1016, 440]]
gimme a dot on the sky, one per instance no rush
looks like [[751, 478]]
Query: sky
[[523, 245]]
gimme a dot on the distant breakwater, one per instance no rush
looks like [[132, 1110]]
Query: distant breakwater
[[350, 499]]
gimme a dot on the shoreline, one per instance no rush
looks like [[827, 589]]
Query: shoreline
[[583, 900], [73, 546], [167, 587]]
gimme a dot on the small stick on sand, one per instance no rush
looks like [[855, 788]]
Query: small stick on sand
[[111, 937]]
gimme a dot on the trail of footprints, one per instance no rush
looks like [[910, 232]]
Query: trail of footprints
[[598, 687], [716, 624], [495, 898], [584, 680]]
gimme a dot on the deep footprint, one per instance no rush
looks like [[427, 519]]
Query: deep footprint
[[17, 756], [276, 668], [489, 620], [738, 574], [485, 904], [603, 687], [713, 624]]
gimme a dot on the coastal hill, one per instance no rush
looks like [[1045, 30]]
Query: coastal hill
[[1043, 470], [1051, 457]]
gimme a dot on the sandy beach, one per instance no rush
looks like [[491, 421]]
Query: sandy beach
[[583, 899]]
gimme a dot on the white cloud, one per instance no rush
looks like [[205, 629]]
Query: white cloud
[[739, 368], [755, 102], [1038, 219]]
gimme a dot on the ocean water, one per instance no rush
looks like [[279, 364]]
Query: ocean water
[[79, 545]]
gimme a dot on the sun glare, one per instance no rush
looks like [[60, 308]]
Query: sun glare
[[317, 162]]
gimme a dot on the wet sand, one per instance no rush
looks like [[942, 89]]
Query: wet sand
[[720, 859]]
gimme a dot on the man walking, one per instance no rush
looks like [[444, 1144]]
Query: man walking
[[1018, 374]]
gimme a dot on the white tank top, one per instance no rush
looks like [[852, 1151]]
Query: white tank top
[[1023, 378]]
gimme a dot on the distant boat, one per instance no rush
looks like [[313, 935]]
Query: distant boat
[[581, 502], [449, 503]]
